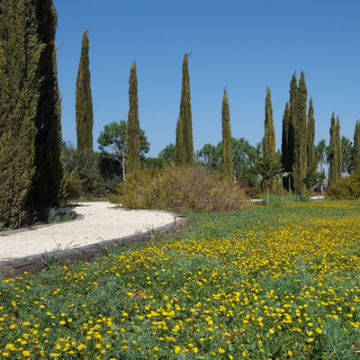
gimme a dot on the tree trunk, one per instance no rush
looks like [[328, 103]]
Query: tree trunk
[[268, 193]]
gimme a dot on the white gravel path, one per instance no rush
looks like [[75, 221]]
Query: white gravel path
[[101, 222]]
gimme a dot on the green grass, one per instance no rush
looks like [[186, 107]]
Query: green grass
[[265, 283]]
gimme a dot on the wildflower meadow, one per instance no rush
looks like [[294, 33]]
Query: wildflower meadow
[[260, 283]]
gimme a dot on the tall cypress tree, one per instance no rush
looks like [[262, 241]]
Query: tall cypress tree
[[180, 149], [333, 153], [356, 146], [285, 138], [269, 145], [84, 106], [338, 149], [185, 119], [48, 143], [292, 119], [310, 133], [133, 124], [20, 52], [300, 163], [227, 162]]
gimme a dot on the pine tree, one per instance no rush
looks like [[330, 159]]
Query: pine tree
[[338, 149], [300, 163], [333, 153], [48, 143], [227, 163], [285, 138], [269, 146], [133, 124], [310, 133], [292, 119], [356, 146], [185, 119], [20, 52], [84, 106]]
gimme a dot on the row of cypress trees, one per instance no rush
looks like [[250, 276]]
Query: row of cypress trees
[[85, 115], [184, 132], [30, 109]]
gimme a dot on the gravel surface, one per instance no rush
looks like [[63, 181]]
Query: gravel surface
[[102, 221]]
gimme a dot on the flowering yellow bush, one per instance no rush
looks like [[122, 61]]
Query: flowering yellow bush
[[179, 187]]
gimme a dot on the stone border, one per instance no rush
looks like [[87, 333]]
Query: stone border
[[35, 263]]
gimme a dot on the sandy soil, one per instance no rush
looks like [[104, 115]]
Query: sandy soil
[[102, 221]]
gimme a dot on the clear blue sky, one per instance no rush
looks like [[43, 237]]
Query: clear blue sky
[[243, 45]]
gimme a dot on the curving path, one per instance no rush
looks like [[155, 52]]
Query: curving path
[[97, 223]]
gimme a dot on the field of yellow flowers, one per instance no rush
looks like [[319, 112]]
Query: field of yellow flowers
[[264, 283]]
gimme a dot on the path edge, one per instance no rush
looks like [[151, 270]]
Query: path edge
[[35, 263]]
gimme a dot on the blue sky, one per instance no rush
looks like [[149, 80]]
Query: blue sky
[[243, 45]]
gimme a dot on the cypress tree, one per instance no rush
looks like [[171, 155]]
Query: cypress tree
[[20, 52], [310, 133], [269, 146], [285, 138], [48, 143], [292, 119], [356, 146], [133, 124], [227, 162], [180, 150], [300, 163], [185, 118], [333, 153], [338, 149], [84, 106]]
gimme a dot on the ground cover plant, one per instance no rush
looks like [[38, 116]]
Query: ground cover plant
[[266, 283]]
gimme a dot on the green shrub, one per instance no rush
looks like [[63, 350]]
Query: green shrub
[[304, 198], [279, 201], [256, 192], [70, 215], [179, 188], [347, 188]]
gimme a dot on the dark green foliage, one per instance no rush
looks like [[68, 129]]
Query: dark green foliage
[[269, 146], [84, 106], [356, 147], [210, 156], [133, 124], [82, 173], [334, 151], [184, 133], [346, 156], [179, 147], [152, 163], [292, 119], [244, 157], [48, 142], [20, 52], [300, 163], [314, 178], [112, 142], [270, 170], [320, 154], [227, 162], [310, 134], [168, 154], [285, 137], [338, 148]]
